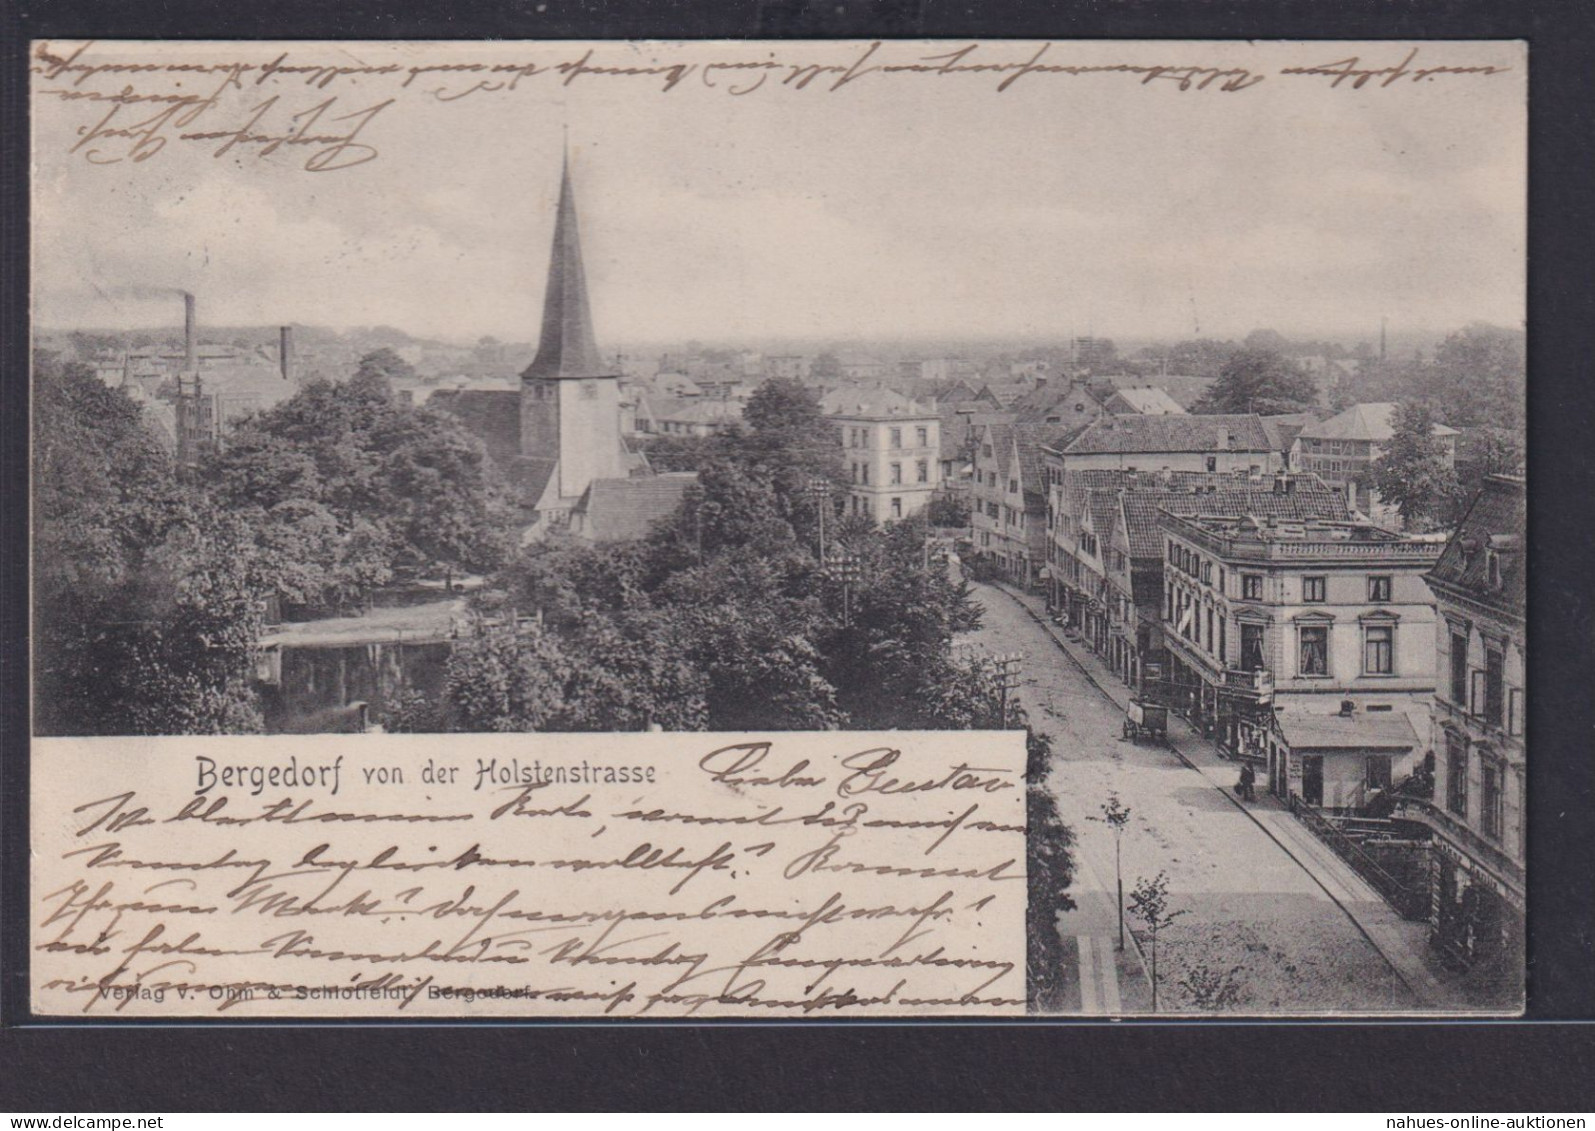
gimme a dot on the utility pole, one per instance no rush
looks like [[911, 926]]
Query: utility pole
[[819, 490], [1007, 665], [847, 569]]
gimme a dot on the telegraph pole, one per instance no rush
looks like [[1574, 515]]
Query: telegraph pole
[[847, 569], [1008, 678], [819, 490]]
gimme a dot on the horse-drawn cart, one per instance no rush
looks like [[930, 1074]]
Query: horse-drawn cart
[[1146, 720]]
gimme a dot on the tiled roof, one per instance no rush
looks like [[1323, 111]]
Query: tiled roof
[[1000, 435], [1283, 429], [1185, 391], [953, 432], [1104, 506], [1361, 731], [1007, 392], [622, 510], [1150, 434], [491, 415], [1040, 401], [866, 401], [1496, 521], [1308, 498], [1371, 422], [1028, 438], [1151, 401], [529, 479], [957, 392], [694, 409]]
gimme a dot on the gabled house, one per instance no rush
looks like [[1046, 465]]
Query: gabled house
[[1009, 497]]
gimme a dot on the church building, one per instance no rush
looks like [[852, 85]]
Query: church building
[[559, 437]]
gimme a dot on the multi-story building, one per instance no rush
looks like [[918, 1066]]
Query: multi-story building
[[1339, 451], [1107, 548], [1306, 647], [1477, 812], [1009, 500], [892, 447]]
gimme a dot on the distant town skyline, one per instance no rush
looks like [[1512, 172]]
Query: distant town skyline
[[891, 212]]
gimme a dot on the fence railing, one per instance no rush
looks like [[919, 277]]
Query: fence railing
[[1409, 902]]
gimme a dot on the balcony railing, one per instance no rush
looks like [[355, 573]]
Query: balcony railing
[[1459, 833], [1260, 681], [1410, 901]]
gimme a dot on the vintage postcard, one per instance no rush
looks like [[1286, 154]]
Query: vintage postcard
[[777, 530]]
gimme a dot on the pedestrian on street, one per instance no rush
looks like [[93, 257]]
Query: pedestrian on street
[[1248, 780]]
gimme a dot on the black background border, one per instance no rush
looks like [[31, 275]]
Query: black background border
[[1538, 1064]]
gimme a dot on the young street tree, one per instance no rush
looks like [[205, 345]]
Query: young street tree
[[1149, 903]]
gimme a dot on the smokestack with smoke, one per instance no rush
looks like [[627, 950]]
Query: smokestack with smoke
[[285, 352], [190, 346]]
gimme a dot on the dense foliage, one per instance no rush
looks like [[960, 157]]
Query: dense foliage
[[144, 617], [1259, 380], [1476, 379], [1412, 474], [151, 584], [725, 618], [348, 487]]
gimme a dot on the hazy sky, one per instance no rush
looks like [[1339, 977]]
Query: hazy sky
[[898, 206]]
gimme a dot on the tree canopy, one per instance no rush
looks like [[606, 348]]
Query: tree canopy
[[732, 589], [1260, 380], [145, 618], [355, 487], [1412, 474]]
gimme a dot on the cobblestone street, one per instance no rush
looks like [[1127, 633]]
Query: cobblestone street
[[1259, 929]]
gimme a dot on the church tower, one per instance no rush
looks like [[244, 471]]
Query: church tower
[[570, 400]]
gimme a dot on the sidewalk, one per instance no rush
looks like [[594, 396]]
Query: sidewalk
[[1402, 943]]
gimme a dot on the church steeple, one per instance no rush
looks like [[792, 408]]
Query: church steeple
[[567, 348]]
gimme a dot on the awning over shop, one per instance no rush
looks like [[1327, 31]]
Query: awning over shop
[[1329, 734]]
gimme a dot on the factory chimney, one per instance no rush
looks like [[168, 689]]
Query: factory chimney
[[190, 347], [285, 352]]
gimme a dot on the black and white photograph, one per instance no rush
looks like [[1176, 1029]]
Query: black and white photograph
[[506, 433]]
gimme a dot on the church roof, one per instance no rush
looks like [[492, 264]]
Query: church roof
[[567, 348], [623, 510]]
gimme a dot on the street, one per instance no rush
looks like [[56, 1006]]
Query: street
[[1254, 932]]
